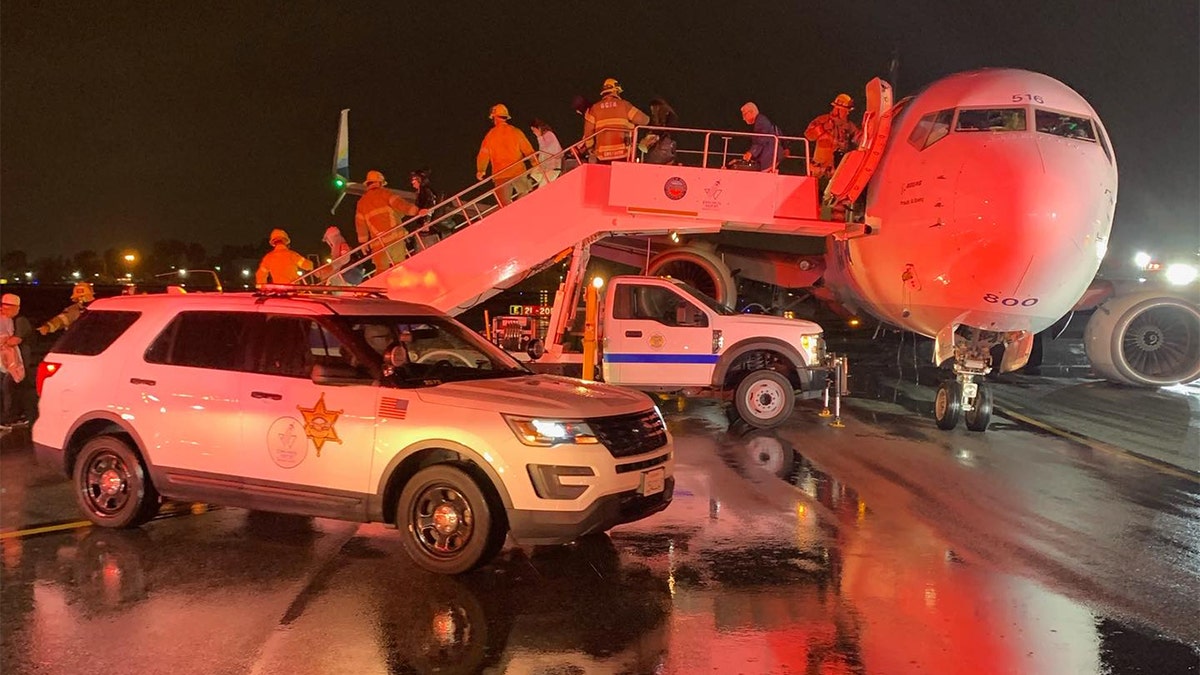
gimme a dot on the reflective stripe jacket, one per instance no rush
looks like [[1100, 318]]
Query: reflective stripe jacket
[[831, 134], [63, 319], [504, 146], [283, 265], [377, 211], [612, 118]]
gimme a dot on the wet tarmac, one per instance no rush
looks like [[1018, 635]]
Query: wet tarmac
[[886, 546]]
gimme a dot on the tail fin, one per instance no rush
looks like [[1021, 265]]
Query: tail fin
[[341, 158]]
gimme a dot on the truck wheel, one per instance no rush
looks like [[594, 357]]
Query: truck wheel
[[764, 399], [111, 485], [448, 523]]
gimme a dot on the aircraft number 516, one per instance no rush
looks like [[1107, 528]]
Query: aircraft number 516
[[1017, 98], [1009, 302]]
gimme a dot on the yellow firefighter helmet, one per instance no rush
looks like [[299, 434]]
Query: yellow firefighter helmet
[[499, 110], [844, 101], [82, 292], [374, 176], [278, 235], [611, 86]]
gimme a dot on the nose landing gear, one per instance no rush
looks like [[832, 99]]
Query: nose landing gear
[[964, 397]]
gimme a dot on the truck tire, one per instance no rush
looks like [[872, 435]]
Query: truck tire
[[764, 399]]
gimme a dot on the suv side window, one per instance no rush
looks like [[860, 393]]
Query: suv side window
[[292, 345], [218, 340], [94, 332], [656, 303]]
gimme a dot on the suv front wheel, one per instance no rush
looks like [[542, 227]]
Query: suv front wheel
[[449, 526], [111, 484]]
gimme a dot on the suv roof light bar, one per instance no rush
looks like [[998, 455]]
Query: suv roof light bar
[[284, 290]]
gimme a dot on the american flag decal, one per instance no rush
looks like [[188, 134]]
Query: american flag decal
[[393, 408]]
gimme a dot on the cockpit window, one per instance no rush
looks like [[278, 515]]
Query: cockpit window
[[991, 119], [931, 128], [1062, 124]]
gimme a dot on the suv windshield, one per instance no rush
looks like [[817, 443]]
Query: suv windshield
[[435, 349]]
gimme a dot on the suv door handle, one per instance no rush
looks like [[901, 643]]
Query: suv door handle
[[633, 333], [138, 380], [266, 394]]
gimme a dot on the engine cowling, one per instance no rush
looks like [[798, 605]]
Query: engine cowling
[[699, 266], [1147, 339]]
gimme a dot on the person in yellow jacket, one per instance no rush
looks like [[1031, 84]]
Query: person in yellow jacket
[[282, 265], [612, 119], [378, 215], [81, 295], [506, 148], [833, 133]]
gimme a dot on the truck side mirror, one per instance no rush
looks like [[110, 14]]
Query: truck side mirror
[[535, 349]]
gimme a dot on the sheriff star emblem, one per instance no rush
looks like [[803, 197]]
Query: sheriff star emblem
[[318, 423]]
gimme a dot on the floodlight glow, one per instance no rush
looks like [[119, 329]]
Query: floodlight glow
[[1180, 274]]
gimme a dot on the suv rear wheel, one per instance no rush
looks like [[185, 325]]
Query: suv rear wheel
[[111, 484], [448, 521]]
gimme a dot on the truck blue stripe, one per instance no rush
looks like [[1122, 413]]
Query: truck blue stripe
[[661, 358]]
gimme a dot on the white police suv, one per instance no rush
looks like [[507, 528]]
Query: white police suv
[[342, 406]]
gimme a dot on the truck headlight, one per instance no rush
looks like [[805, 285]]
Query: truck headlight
[[542, 432], [813, 347]]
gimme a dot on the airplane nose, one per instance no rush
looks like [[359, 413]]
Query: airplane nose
[[1035, 213]]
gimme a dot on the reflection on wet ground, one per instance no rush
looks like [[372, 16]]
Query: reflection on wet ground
[[884, 547]]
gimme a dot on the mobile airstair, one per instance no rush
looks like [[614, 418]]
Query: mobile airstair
[[469, 248]]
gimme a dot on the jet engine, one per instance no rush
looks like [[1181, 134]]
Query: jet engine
[[701, 267], [1149, 338]]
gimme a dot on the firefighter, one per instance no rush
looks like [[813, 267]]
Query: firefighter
[[281, 264], [506, 148], [612, 120], [81, 295], [833, 134], [378, 216]]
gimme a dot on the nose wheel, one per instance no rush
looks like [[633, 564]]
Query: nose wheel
[[971, 401]]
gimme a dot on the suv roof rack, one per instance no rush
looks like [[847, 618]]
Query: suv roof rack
[[288, 290]]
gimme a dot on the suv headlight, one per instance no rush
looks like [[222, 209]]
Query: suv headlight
[[543, 432]]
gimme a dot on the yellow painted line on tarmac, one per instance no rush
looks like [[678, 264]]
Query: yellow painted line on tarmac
[[170, 510], [1165, 467], [73, 525]]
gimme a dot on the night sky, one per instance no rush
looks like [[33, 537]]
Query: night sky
[[122, 123]]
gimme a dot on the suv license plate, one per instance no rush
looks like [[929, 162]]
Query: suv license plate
[[653, 481]]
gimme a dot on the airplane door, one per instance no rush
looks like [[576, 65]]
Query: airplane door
[[296, 431], [656, 336]]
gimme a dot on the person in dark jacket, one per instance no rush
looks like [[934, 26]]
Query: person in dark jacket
[[763, 152]]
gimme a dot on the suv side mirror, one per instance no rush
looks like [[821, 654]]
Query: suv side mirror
[[338, 374]]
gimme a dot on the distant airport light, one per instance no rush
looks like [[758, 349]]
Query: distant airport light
[[183, 273], [129, 257], [1180, 274], [76, 274], [29, 275], [1142, 259], [854, 322], [245, 273]]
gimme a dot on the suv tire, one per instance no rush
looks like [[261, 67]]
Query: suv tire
[[448, 522], [111, 484]]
